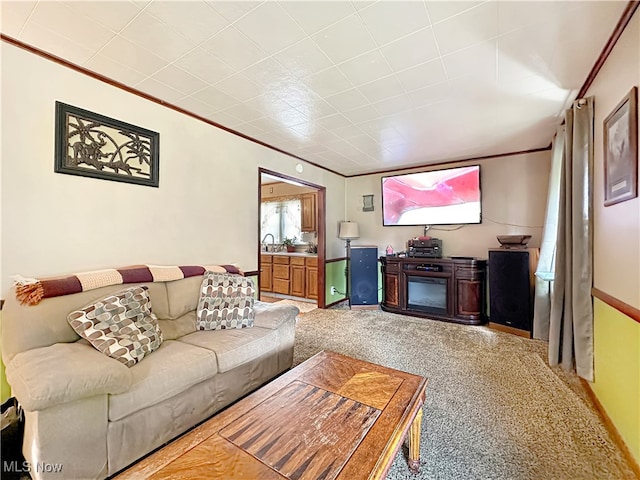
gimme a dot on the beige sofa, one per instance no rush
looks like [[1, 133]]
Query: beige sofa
[[92, 415]]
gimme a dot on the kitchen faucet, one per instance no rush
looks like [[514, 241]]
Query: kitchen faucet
[[273, 241]]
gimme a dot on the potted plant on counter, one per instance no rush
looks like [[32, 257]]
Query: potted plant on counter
[[288, 242]]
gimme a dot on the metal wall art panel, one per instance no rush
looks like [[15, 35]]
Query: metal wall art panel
[[92, 145]]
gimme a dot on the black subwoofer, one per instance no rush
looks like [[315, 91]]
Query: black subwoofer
[[363, 267], [511, 287]]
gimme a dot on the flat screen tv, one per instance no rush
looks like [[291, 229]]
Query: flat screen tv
[[449, 196]]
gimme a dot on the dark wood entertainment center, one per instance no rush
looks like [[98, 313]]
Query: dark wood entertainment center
[[450, 289]]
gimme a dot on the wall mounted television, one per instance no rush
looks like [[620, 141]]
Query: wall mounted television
[[449, 196]]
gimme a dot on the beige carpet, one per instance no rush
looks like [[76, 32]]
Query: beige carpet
[[304, 307], [494, 409]]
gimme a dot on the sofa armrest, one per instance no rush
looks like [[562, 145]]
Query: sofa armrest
[[272, 315], [43, 377]]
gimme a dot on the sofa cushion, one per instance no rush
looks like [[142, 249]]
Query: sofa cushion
[[47, 320], [234, 347], [272, 315], [173, 368], [62, 373], [226, 301], [120, 325]]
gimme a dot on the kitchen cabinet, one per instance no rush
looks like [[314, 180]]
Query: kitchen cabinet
[[308, 220], [312, 277], [266, 281], [298, 277], [295, 275], [280, 274]]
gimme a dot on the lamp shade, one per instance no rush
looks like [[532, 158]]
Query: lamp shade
[[348, 230]]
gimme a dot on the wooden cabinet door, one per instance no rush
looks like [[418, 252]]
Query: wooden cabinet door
[[266, 278], [298, 280], [312, 282], [266, 281], [469, 301], [391, 290], [308, 220]]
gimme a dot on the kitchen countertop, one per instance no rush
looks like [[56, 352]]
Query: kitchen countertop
[[290, 254]]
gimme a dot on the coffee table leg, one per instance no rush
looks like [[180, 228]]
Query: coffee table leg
[[414, 443]]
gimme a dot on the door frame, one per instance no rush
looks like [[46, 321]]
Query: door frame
[[321, 202]]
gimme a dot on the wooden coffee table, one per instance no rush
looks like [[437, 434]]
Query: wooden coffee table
[[331, 417]]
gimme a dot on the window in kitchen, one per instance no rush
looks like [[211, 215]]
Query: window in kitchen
[[281, 219]]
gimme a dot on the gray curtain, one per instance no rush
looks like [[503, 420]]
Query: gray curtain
[[570, 318], [545, 268]]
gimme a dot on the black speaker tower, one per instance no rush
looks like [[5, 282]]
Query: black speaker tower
[[511, 287], [363, 277]]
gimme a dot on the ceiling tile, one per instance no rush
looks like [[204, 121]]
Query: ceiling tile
[[52, 42], [393, 105], [198, 22], [243, 112], [313, 16], [193, 105], [272, 76], [149, 32], [332, 39], [422, 76], [362, 114], [239, 87], [303, 58], [249, 129], [419, 47], [123, 51], [113, 15], [179, 80], [478, 61], [347, 100], [225, 119], [527, 51], [13, 16], [333, 121], [408, 16], [347, 131], [233, 48], [114, 70], [214, 98], [320, 108], [159, 90], [429, 95], [473, 26], [365, 68], [71, 24], [515, 15], [204, 65], [439, 10], [299, 95], [234, 9], [329, 82], [270, 27]]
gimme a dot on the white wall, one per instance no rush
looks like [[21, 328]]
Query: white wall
[[514, 196], [617, 227], [205, 210]]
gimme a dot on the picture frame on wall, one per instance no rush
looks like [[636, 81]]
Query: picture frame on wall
[[93, 145], [621, 151]]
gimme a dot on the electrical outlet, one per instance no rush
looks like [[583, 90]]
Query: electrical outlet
[[333, 290]]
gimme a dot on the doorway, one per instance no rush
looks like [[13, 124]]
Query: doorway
[[289, 207]]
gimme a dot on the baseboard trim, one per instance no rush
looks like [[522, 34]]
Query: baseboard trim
[[612, 428], [508, 329]]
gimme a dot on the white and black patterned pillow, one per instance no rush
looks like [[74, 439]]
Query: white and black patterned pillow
[[226, 301], [121, 325]]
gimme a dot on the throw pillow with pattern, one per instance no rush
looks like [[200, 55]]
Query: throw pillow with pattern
[[120, 325], [226, 301]]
